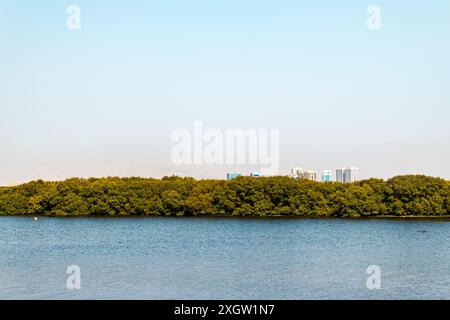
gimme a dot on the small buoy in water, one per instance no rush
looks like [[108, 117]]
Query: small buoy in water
[[35, 218]]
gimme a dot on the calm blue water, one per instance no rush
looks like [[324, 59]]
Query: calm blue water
[[196, 258]]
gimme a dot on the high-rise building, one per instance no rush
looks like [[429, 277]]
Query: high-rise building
[[297, 172], [326, 176], [340, 174], [255, 174], [310, 175], [350, 175], [347, 175], [232, 175], [300, 173]]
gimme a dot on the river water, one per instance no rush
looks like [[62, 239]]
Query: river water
[[219, 258]]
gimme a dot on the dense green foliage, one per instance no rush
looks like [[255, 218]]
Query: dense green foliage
[[412, 195]]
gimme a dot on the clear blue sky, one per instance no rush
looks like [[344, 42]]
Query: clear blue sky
[[104, 100]]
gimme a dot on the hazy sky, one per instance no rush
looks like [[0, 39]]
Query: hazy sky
[[104, 100]]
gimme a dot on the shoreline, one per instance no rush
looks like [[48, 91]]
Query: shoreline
[[247, 217]]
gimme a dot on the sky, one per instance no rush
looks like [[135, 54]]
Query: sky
[[105, 100]]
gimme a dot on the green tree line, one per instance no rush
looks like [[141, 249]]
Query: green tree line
[[409, 195]]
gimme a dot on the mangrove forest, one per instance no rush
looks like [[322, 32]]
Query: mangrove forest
[[401, 196]]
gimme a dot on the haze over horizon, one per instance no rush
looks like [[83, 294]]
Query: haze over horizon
[[105, 99]]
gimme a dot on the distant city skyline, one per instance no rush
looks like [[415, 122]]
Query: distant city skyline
[[105, 99]]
